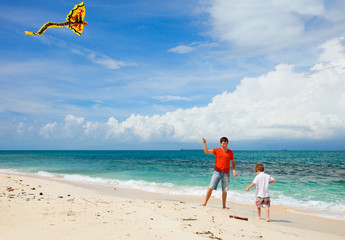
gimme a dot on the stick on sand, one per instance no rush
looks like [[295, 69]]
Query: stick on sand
[[237, 217]]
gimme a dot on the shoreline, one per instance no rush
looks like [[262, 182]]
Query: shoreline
[[129, 192], [62, 208], [293, 216]]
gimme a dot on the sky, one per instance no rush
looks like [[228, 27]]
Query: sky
[[161, 74]]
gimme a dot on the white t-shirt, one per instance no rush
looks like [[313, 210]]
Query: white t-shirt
[[262, 181]]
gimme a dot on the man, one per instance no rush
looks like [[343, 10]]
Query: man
[[221, 170]]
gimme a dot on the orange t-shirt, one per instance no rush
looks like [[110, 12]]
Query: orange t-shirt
[[223, 159]]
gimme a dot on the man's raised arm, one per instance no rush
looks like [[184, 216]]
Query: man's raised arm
[[205, 147]]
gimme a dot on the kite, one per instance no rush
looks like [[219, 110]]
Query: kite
[[74, 21]]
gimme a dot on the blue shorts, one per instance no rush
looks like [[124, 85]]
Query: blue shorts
[[216, 177]]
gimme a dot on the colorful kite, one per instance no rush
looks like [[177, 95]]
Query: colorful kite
[[74, 21]]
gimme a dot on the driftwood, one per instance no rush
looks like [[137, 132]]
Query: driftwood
[[237, 217]]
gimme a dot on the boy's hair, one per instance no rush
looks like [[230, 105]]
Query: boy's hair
[[224, 139], [259, 167]]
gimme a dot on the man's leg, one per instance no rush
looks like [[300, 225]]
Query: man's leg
[[224, 195], [225, 187], [208, 195], [213, 185]]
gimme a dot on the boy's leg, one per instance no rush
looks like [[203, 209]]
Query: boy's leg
[[267, 202], [267, 214], [258, 203], [259, 213], [208, 195]]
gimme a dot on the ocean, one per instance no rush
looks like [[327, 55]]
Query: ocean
[[308, 182]]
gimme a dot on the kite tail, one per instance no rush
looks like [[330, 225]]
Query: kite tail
[[30, 33], [46, 26]]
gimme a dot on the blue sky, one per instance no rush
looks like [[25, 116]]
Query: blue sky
[[154, 74]]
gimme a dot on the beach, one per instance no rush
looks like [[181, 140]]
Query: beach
[[34, 207]]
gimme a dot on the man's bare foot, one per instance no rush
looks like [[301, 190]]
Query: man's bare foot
[[267, 220], [225, 207], [204, 204]]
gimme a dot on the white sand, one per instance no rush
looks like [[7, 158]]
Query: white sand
[[37, 208]]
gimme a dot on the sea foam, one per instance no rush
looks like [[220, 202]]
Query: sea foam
[[323, 209], [310, 207]]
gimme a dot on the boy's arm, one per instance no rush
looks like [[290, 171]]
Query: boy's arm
[[250, 186], [273, 181], [205, 147]]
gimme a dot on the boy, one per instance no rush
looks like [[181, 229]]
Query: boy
[[262, 180], [221, 170]]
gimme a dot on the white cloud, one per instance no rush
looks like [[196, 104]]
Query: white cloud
[[282, 104], [171, 98], [181, 49], [335, 50], [49, 130], [269, 24], [20, 128], [105, 61], [101, 59], [71, 128]]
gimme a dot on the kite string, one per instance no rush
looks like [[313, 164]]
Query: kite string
[[143, 87], [149, 92]]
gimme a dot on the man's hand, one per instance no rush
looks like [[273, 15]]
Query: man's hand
[[234, 173], [205, 147], [204, 141]]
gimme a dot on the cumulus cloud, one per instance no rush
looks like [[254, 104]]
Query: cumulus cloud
[[49, 130], [72, 127], [269, 24], [335, 50], [281, 104]]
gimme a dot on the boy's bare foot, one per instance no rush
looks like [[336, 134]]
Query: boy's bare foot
[[267, 220], [204, 204], [225, 208], [258, 218]]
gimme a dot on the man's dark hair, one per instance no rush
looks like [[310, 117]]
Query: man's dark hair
[[224, 139]]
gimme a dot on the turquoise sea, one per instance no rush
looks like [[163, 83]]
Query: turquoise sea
[[312, 181]]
